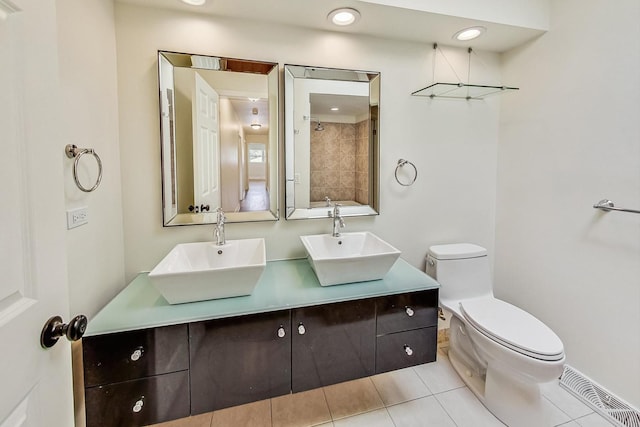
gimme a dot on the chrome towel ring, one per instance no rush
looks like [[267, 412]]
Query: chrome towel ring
[[402, 163], [73, 152]]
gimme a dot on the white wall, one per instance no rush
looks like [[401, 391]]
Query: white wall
[[568, 139], [453, 143], [87, 53], [524, 13]]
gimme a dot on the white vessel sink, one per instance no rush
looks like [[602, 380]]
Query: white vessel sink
[[203, 271], [352, 257]]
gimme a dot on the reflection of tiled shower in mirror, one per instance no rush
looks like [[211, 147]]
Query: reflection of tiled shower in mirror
[[340, 163]]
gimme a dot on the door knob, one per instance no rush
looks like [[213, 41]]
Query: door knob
[[54, 329]]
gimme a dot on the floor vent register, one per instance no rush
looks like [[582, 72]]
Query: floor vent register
[[612, 408]]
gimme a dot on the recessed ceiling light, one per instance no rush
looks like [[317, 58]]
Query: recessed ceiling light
[[469, 33], [194, 2], [344, 16], [335, 109]]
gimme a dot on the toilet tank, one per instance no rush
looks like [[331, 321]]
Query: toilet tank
[[462, 269]]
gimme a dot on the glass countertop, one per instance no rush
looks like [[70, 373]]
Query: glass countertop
[[283, 285]]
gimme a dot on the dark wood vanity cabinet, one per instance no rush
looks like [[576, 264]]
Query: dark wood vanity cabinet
[[158, 374], [332, 343], [406, 332], [136, 378], [239, 360]]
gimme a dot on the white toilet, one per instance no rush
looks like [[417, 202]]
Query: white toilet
[[501, 352]]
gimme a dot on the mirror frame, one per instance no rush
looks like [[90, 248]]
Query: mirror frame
[[293, 72], [167, 139]]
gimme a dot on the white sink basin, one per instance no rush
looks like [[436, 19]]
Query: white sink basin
[[352, 257], [203, 271]]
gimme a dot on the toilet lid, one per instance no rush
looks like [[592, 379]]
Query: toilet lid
[[513, 327]]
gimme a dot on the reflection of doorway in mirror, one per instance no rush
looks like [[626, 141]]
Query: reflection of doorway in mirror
[[257, 195], [340, 163]]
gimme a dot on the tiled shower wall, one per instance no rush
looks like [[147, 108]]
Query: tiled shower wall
[[340, 162], [362, 162]]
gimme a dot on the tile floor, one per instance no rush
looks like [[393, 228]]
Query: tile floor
[[429, 395]]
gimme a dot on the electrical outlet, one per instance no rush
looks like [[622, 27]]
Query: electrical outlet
[[296, 178], [77, 217]]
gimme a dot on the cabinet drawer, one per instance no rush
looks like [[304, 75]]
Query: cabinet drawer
[[407, 311], [402, 349], [136, 354], [139, 402]]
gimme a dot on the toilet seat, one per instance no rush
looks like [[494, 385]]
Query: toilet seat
[[513, 328]]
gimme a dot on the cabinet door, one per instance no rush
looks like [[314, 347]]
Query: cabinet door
[[332, 343], [239, 360]]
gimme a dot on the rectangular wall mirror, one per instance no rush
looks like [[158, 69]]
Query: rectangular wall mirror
[[219, 138], [331, 141]]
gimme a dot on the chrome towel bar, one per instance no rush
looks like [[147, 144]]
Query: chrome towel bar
[[607, 205]]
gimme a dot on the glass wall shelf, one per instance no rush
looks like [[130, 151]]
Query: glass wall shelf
[[461, 91]]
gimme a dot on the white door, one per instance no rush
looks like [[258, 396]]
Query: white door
[[206, 148], [35, 384]]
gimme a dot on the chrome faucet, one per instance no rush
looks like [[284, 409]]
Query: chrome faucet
[[338, 221], [218, 231]]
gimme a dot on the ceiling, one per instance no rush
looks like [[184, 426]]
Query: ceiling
[[377, 20], [244, 108], [349, 105]]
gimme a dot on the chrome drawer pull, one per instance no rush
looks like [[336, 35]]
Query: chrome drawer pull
[[301, 329], [409, 311], [137, 407], [408, 350], [281, 332], [137, 354]]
